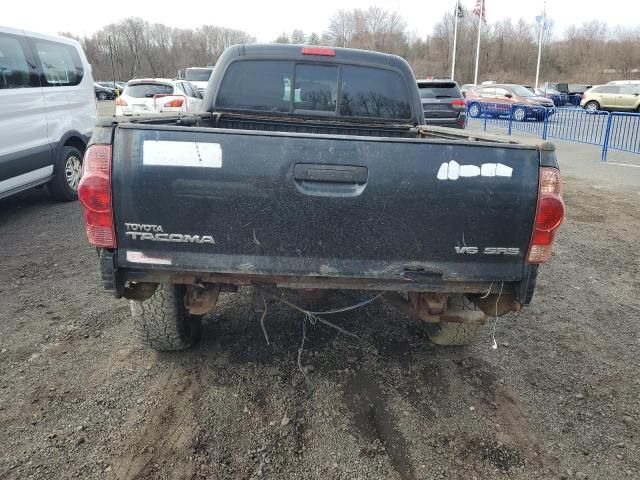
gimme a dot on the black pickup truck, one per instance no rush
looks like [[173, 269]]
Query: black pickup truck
[[312, 169]]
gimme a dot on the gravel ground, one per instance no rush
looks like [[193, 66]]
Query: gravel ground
[[559, 398]]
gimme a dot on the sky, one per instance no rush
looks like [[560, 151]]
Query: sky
[[266, 19]]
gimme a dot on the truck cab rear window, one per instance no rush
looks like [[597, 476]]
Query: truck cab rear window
[[372, 92], [265, 85], [256, 85], [147, 90], [316, 87]]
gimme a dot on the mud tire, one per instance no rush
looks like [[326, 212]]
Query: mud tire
[[162, 321]]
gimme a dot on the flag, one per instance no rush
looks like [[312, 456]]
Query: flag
[[480, 10], [459, 11]]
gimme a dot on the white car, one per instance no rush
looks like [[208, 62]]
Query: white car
[[47, 112], [624, 82], [158, 95]]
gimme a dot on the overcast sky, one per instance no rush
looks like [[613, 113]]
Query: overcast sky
[[265, 19]]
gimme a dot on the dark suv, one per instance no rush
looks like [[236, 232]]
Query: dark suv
[[442, 103]]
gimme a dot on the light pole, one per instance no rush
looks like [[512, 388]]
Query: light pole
[[113, 70], [480, 15], [455, 39], [542, 25]]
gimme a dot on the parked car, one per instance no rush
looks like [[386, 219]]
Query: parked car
[[624, 98], [48, 112], [198, 76], [442, 103], [559, 87], [117, 86], [158, 95], [558, 99], [624, 82], [569, 88], [342, 187], [578, 88], [104, 93], [465, 88], [501, 99], [574, 91]]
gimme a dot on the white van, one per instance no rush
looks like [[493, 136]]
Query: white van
[[47, 112], [199, 76]]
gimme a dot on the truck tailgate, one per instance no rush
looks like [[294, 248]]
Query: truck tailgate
[[232, 201]]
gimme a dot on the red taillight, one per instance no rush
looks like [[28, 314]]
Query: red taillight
[[327, 52], [120, 102], [94, 193], [549, 215], [175, 103], [458, 104]]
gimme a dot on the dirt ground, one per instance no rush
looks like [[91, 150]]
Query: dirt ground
[[559, 398]]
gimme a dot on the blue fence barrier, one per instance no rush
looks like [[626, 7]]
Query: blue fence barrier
[[623, 133], [578, 125], [512, 117], [618, 131]]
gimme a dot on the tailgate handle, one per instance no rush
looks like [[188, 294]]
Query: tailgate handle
[[330, 173]]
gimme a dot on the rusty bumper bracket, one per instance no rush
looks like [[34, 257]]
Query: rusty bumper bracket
[[201, 299]]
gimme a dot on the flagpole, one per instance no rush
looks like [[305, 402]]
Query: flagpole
[[542, 22], [475, 78], [455, 40]]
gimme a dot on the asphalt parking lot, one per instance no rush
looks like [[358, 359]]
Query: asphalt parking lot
[[559, 398]]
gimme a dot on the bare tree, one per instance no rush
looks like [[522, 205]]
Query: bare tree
[[626, 46], [298, 37], [373, 29], [590, 53], [141, 49]]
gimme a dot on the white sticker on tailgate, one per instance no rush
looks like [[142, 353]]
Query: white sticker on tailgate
[[139, 257], [181, 154]]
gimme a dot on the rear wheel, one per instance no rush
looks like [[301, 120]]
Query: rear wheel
[[592, 106], [102, 96], [162, 321], [67, 173]]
